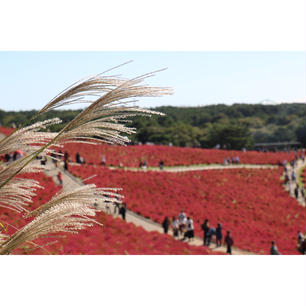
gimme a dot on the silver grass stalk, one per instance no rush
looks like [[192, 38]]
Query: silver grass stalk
[[88, 194], [62, 214], [18, 193], [85, 90], [103, 117], [20, 166], [29, 139], [3, 237]]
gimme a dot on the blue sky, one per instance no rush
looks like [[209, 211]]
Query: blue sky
[[28, 80]]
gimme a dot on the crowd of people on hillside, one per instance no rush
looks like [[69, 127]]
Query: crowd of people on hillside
[[290, 177], [231, 161], [13, 156]]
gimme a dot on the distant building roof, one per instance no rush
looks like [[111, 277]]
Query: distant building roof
[[277, 144]]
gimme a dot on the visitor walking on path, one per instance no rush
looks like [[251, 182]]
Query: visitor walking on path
[[219, 235], [300, 238], [161, 165], [103, 160], [165, 225], [274, 250], [182, 222], [296, 191], [205, 228], [116, 208], [293, 176], [122, 211], [78, 158], [175, 227], [189, 229], [66, 165], [229, 242], [211, 232], [60, 178]]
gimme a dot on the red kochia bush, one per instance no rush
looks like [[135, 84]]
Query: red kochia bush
[[6, 130], [130, 156], [251, 203]]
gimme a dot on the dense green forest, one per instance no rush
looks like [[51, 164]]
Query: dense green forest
[[231, 126]]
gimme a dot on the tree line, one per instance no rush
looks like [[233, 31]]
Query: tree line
[[232, 126]]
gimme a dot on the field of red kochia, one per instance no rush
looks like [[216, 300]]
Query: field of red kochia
[[130, 156], [251, 203]]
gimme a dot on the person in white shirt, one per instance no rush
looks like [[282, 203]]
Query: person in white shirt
[[182, 222], [189, 229]]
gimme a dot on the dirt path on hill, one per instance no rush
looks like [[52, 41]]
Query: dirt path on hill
[[199, 168], [70, 182]]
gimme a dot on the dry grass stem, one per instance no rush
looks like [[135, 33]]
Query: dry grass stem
[[29, 139], [18, 193]]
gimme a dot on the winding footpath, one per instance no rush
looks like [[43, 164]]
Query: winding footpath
[[291, 185]]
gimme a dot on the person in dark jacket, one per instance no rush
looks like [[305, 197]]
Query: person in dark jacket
[[211, 232], [296, 191], [66, 156], [219, 235], [205, 229], [78, 158], [302, 247], [229, 241], [66, 165], [274, 250], [7, 157], [122, 211], [165, 225], [161, 165]]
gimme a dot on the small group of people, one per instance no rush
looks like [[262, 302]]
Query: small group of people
[[120, 209], [59, 156], [184, 225], [181, 225], [143, 164], [79, 159], [209, 232], [13, 156], [291, 179], [233, 160]]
